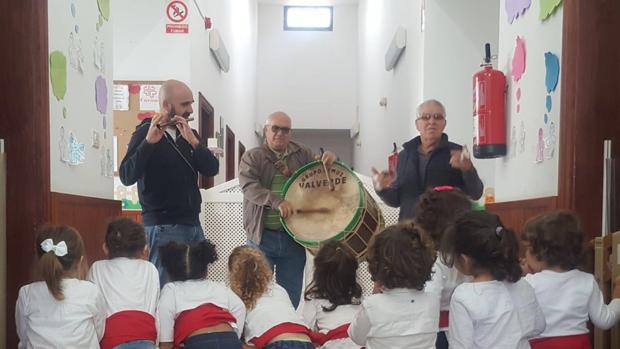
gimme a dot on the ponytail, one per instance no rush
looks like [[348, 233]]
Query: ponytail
[[508, 266], [185, 262], [51, 272], [60, 250], [250, 275]]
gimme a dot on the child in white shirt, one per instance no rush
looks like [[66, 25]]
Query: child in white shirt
[[130, 286], [194, 312], [62, 310], [400, 315], [437, 209], [554, 247], [498, 310], [333, 297], [271, 321]]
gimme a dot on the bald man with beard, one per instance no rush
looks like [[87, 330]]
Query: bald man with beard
[[262, 174], [164, 157]]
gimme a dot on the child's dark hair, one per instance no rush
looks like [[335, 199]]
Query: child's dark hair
[[437, 209], [51, 268], [556, 238], [187, 262], [482, 237], [125, 238], [335, 276], [249, 274], [402, 255]]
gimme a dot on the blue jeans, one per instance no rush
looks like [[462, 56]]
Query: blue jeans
[[216, 340], [140, 344], [289, 259], [290, 345], [160, 235]]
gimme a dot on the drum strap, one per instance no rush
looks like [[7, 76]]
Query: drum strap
[[278, 161]]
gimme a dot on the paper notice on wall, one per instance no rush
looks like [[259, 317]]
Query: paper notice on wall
[[176, 17], [149, 97], [120, 97]]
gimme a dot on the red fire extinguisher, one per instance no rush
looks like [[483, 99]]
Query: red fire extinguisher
[[393, 159], [489, 114]]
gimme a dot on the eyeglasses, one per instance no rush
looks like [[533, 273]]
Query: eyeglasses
[[434, 116], [276, 129]]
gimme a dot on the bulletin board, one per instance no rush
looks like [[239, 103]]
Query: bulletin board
[[125, 121]]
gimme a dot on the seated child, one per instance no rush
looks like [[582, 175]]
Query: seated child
[[271, 320], [333, 298], [401, 315], [554, 247], [63, 310], [497, 309], [194, 311], [130, 286], [437, 209]]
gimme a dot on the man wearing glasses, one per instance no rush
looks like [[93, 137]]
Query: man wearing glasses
[[427, 161], [262, 174]]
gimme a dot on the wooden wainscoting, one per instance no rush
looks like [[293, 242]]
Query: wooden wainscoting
[[88, 215], [514, 214]]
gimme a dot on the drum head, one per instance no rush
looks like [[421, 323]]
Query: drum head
[[309, 189]]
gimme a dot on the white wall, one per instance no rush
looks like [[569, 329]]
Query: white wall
[[151, 54], [454, 37], [518, 176], [232, 94], [81, 117], [380, 127], [311, 75], [142, 49]]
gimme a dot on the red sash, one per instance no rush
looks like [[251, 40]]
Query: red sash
[[277, 330], [126, 326], [579, 341], [444, 319], [339, 332], [192, 320]]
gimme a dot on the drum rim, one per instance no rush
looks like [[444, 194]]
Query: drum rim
[[352, 224]]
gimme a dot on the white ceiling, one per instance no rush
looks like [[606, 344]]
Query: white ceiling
[[309, 2]]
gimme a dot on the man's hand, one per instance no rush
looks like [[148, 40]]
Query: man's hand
[[525, 268], [383, 179], [286, 209], [616, 293], [328, 158], [460, 161], [377, 287], [186, 132], [154, 134]]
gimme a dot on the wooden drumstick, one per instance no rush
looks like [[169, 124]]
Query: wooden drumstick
[[331, 184], [312, 210]]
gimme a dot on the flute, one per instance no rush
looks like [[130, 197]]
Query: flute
[[172, 123]]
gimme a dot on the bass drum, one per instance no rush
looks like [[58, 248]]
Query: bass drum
[[347, 213]]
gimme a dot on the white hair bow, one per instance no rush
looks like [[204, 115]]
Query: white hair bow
[[59, 249]]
